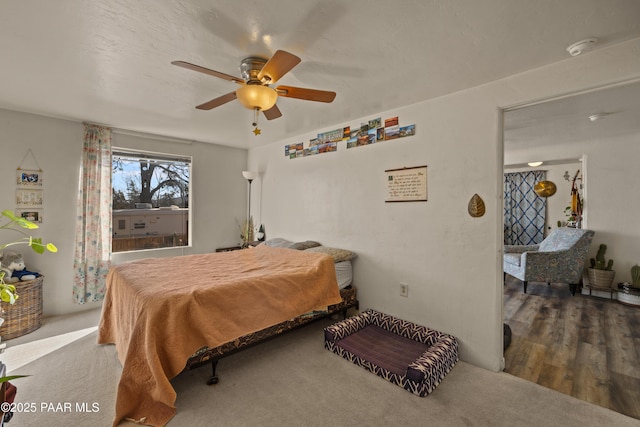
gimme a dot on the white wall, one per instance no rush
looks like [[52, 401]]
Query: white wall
[[452, 262], [218, 194]]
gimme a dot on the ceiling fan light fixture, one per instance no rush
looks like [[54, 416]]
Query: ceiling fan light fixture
[[254, 96]]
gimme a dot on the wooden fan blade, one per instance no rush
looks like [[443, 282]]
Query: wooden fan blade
[[204, 70], [278, 65], [217, 102], [306, 94], [272, 113]]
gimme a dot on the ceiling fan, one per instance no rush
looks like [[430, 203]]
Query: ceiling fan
[[255, 92]]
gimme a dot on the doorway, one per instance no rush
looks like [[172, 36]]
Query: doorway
[[585, 345]]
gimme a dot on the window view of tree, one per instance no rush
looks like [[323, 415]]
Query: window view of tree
[[158, 183], [150, 201]]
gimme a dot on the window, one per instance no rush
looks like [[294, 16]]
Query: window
[[150, 200]]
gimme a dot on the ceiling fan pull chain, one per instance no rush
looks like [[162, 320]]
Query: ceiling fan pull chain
[[255, 116], [256, 113]]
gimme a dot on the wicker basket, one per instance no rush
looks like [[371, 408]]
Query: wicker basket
[[26, 314]]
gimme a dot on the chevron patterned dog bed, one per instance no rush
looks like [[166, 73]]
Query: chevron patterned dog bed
[[412, 356]]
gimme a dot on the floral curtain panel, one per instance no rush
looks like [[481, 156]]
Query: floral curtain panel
[[524, 210], [93, 226]]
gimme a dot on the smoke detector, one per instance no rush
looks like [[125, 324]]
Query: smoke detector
[[583, 45]]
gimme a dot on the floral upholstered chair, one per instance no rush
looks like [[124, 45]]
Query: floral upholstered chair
[[560, 258]]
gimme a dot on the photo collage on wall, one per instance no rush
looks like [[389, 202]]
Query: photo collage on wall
[[366, 134], [29, 192]]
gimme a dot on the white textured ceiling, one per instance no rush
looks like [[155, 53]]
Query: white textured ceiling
[[109, 61], [566, 120]]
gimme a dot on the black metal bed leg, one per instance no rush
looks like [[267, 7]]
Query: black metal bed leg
[[214, 378]]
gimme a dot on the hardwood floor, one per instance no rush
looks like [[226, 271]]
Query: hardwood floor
[[583, 346]]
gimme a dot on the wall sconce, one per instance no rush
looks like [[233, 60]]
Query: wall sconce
[[535, 164]]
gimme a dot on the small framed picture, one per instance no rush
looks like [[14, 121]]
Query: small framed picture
[[407, 184], [29, 178], [33, 215], [29, 198]]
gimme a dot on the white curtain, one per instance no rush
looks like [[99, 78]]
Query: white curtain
[[93, 225]]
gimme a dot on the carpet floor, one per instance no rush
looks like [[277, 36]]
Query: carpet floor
[[293, 381]]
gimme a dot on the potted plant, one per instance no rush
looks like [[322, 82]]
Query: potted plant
[[16, 224], [600, 273], [8, 293], [630, 293], [246, 232]]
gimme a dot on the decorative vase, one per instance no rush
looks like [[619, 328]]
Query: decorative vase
[[602, 279]]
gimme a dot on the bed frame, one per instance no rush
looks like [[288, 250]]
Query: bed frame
[[206, 355]]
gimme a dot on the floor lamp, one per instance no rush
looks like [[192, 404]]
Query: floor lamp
[[249, 176]]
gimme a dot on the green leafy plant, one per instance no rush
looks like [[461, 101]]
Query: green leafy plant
[[16, 224], [35, 243], [568, 212], [246, 231], [599, 263], [7, 291], [11, 377]]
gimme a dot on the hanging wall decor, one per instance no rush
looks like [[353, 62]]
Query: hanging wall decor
[[33, 215], [545, 188], [476, 206], [368, 133], [407, 184], [373, 132], [29, 194], [29, 178], [29, 198]]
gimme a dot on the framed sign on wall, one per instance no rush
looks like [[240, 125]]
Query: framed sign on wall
[[407, 184]]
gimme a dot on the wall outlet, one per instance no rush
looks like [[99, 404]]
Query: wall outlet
[[404, 290]]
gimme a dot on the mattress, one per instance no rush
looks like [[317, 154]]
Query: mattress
[[344, 273]]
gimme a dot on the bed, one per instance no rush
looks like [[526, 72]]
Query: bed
[[165, 315]]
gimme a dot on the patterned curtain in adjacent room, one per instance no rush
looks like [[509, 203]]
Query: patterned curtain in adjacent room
[[524, 210], [93, 224]]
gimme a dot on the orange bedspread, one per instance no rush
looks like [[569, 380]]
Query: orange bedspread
[[159, 311]]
